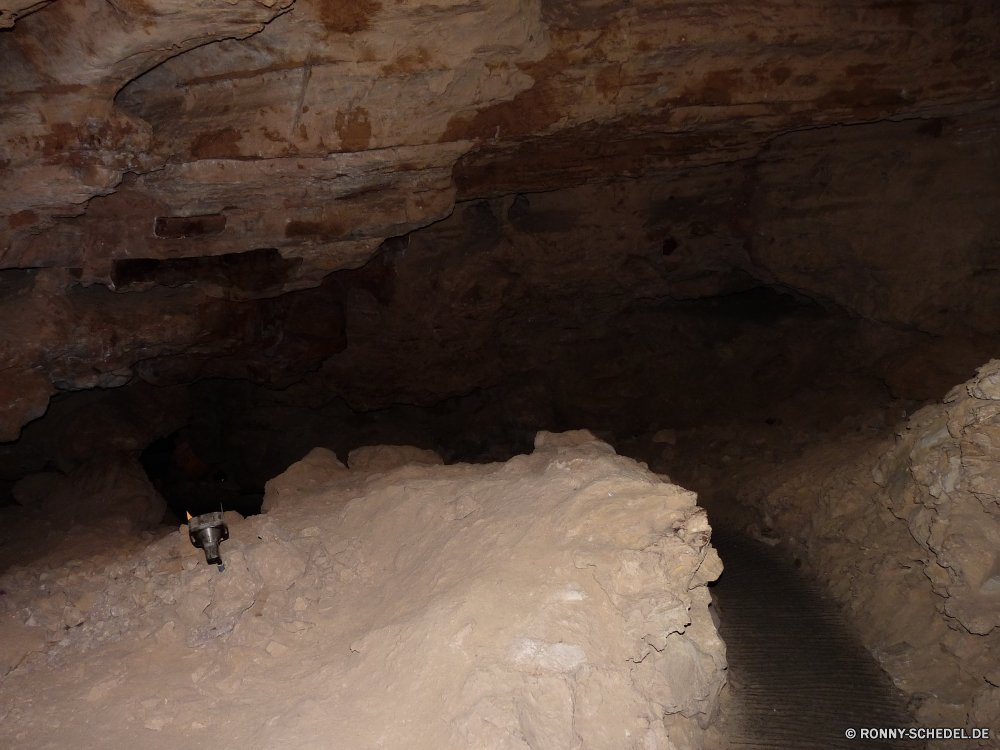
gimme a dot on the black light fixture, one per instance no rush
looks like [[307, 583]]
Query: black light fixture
[[207, 531]]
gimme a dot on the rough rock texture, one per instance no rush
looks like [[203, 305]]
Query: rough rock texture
[[182, 177], [555, 601], [532, 289], [583, 283], [95, 423], [614, 306], [413, 86], [384, 457], [103, 501], [304, 477], [906, 536], [516, 215]]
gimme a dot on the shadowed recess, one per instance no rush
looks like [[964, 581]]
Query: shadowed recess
[[254, 271], [177, 227]]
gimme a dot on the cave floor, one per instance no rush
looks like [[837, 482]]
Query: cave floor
[[799, 678]]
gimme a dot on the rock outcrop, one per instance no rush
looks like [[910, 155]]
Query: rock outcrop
[[181, 178], [104, 502], [558, 600], [906, 536]]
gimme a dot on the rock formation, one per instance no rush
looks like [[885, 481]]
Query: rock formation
[[249, 249], [555, 601], [172, 174], [907, 534]]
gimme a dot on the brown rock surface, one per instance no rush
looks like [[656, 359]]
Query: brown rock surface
[[906, 536], [318, 468], [106, 500], [24, 396], [547, 283], [385, 457], [200, 167], [240, 230]]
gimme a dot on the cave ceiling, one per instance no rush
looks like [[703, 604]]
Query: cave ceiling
[[197, 188]]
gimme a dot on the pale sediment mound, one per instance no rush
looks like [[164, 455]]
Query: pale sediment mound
[[557, 600], [383, 457]]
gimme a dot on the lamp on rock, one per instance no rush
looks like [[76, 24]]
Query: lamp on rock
[[207, 531]]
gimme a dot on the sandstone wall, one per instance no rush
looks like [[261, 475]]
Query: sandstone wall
[[171, 184]]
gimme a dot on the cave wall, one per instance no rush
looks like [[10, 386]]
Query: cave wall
[[904, 532], [592, 291], [182, 190], [626, 307], [258, 88], [255, 227], [544, 271]]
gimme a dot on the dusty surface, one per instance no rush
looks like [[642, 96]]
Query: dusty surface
[[368, 100], [555, 601], [239, 231]]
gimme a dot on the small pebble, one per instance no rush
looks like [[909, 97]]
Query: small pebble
[[72, 616], [276, 649], [156, 724]]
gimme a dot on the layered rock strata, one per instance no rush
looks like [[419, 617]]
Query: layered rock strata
[[160, 157]]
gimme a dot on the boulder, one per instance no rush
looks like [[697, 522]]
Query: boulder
[[319, 467], [386, 457]]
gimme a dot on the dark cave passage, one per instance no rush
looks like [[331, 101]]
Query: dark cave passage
[[717, 393], [799, 676], [719, 389], [485, 331], [191, 485]]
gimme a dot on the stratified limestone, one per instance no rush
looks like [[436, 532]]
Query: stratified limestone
[[384, 457], [166, 161]]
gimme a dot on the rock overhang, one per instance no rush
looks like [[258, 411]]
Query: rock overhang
[[313, 133]]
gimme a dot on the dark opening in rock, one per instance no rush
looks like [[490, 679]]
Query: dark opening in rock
[[192, 483], [252, 272], [177, 227], [486, 316]]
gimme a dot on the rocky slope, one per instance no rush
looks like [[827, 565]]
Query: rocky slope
[[555, 601], [904, 532]]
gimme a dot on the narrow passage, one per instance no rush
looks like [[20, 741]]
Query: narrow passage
[[799, 677]]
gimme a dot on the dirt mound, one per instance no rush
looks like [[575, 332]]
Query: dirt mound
[[557, 600]]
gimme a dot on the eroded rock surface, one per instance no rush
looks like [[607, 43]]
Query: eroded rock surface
[[103, 502], [182, 187], [554, 601], [906, 536]]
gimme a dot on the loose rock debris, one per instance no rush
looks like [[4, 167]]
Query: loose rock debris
[[557, 600]]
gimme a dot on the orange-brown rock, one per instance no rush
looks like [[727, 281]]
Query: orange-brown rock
[[175, 169]]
